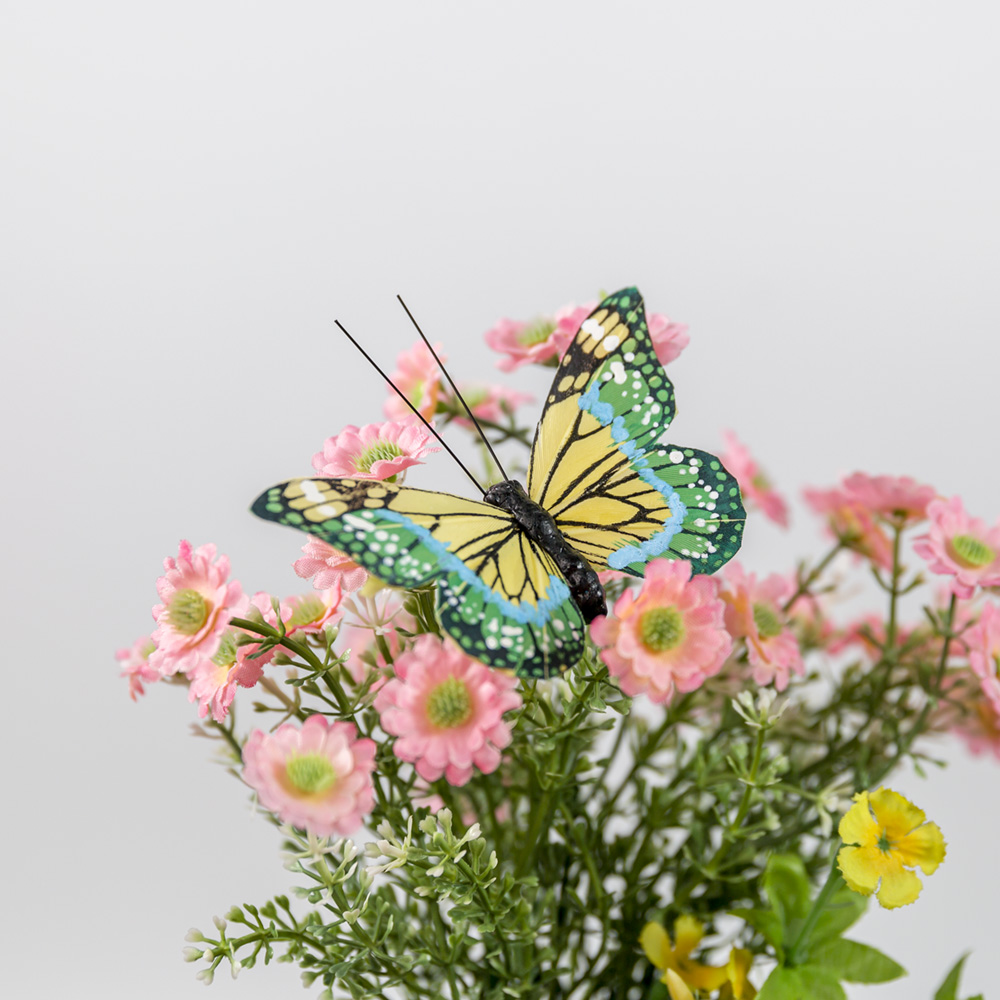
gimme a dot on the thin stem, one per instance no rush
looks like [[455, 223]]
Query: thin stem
[[814, 574], [833, 882]]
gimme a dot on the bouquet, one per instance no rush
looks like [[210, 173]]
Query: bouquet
[[558, 742]]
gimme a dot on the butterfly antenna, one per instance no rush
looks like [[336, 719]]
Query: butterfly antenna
[[416, 412], [486, 440]]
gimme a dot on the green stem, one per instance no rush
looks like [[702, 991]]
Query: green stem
[[833, 882], [814, 574]]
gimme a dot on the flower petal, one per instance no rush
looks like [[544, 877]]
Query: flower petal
[[896, 816], [899, 887], [923, 847], [857, 825], [860, 868], [656, 944], [688, 933]]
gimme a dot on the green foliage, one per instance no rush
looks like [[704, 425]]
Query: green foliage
[[948, 990]]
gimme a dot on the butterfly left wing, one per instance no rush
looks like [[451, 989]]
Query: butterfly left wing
[[617, 492], [499, 595]]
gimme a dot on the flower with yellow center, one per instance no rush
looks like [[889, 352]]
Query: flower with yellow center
[[886, 836], [681, 973]]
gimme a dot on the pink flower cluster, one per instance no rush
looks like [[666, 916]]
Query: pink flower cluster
[[544, 341]]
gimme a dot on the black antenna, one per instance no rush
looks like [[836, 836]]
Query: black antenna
[[417, 413], [486, 440]]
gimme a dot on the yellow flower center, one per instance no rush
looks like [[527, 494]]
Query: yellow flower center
[[972, 552], [188, 612], [449, 704], [767, 622], [661, 629], [226, 655], [382, 451], [310, 774], [536, 333]]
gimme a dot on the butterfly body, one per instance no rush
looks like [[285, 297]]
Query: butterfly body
[[516, 575], [540, 526]]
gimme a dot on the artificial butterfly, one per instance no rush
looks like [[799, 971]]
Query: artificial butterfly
[[516, 574]]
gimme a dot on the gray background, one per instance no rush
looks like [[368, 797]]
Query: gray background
[[192, 192]]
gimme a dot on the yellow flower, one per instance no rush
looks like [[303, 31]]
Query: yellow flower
[[886, 836], [682, 973]]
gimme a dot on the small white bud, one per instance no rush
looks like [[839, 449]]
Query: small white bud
[[192, 954], [220, 924], [206, 976], [237, 965], [194, 935]]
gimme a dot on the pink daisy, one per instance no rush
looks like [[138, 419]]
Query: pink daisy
[[317, 778], [853, 523], [754, 612], [135, 665], [375, 451], [214, 681], [446, 711], [983, 640], [890, 496], [418, 377], [329, 567], [960, 546], [536, 343], [754, 485], [197, 605], [311, 613], [669, 635]]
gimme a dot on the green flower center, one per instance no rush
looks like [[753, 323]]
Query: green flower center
[[226, 655], [767, 622], [973, 552], [310, 774], [308, 610], [383, 451], [536, 333], [883, 843], [661, 629], [449, 704], [188, 611]]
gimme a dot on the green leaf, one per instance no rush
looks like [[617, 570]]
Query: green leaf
[[820, 984], [765, 921], [787, 887], [844, 909], [782, 984], [855, 962], [948, 990]]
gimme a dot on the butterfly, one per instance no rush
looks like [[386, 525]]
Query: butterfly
[[516, 573]]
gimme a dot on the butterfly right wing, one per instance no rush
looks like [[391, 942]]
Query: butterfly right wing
[[499, 596]]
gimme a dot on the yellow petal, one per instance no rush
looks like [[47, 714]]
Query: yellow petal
[[656, 944], [676, 986], [899, 887], [923, 847], [703, 977], [859, 868], [688, 932], [857, 825], [740, 960], [895, 815]]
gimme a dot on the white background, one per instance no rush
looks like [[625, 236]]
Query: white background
[[192, 192]]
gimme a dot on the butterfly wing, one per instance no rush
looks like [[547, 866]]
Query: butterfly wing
[[499, 595], [598, 465]]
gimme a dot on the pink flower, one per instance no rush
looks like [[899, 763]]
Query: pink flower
[[311, 613], [671, 635], [214, 681], [669, 338], [528, 343], [447, 711], [197, 605], [960, 546], [853, 523], [754, 485], [983, 640], [329, 567], [135, 666], [754, 612], [489, 402], [418, 377], [317, 778], [890, 496], [375, 451]]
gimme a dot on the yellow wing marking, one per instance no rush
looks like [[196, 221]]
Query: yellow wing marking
[[484, 537]]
